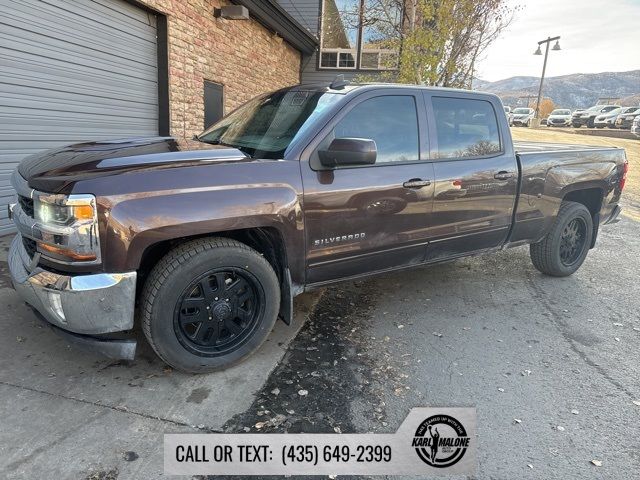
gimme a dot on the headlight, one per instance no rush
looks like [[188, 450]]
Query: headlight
[[63, 210], [68, 227]]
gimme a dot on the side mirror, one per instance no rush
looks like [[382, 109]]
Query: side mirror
[[343, 152]]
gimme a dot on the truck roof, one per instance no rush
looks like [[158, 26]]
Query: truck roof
[[351, 87]]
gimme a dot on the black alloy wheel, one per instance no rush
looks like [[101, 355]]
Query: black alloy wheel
[[572, 241], [563, 250], [218, 311], [209, 303]]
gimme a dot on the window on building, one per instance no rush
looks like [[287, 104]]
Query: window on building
[[395, 131], [465, 128], [213, 103], [381, 20], [360, 34]]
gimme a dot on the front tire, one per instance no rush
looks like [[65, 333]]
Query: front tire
[[208, 304], [565, 247]]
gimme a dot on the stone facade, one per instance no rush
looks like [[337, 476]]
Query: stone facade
[[242, 55]]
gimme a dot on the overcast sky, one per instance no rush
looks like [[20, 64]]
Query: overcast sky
[[597, 36]]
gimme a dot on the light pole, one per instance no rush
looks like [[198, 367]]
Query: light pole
[[544, 65]]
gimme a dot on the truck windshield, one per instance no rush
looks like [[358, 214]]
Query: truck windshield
[[265, 126]]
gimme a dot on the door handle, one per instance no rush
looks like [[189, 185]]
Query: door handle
[[503, 175], [416, 183]]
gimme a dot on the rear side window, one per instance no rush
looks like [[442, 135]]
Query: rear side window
[[465, 128], [391, 121]]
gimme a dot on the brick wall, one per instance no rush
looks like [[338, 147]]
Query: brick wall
[[242, 55]]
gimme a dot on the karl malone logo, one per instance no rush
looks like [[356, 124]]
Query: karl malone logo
[[441, 441]]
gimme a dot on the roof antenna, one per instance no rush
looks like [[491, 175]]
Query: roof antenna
[[339, 83]]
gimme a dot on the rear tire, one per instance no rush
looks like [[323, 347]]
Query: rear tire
[[208, 304], [565, 247]]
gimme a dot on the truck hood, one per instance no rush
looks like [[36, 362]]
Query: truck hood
[[53, 170]]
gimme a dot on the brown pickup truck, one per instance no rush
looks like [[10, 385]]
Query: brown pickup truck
[[205, 242]]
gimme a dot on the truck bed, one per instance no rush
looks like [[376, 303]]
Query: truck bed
[[550, 171]]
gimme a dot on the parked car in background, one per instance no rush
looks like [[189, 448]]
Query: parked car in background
[[509, 114], [588, 116], [522, 116], [626, 118], [607, 119], [635, 127], [560, 117]]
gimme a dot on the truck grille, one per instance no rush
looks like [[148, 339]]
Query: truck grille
[[26, 204], [29, 246]]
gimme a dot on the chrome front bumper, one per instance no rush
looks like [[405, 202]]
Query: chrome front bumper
[[80, 305]]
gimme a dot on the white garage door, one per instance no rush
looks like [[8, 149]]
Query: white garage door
[[70, 71]]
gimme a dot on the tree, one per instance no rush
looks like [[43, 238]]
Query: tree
[[546, 107], [443, 39], [438, 41]]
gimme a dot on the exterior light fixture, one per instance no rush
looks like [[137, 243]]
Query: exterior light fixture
[[544, 67], [232, 12]]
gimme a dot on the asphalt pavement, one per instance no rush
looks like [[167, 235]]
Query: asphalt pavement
[[550, 364]]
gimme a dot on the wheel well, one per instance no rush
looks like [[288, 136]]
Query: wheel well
[[589, 197], [592, 199], [265, 240]]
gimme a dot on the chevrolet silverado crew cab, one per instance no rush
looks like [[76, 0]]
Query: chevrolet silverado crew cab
[[205, 242]]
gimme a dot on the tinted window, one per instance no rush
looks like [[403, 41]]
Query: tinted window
[[391, 121], [465, 128], [265, 126]]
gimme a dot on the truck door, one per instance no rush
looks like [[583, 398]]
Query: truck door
[[361, 219], [476, 174]]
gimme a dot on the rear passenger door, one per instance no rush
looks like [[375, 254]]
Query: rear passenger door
[[476, 174]]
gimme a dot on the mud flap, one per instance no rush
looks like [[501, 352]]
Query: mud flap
[[286, 299], [596, 228]]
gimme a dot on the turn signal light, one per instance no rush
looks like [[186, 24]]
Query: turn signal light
[[63, 252], [83, 212]]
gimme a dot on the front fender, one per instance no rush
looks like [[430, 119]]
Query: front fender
[[139, 221]]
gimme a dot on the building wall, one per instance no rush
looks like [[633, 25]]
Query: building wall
[[242, 55]]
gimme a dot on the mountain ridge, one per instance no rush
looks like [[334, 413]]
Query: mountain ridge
[[577, 90]]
